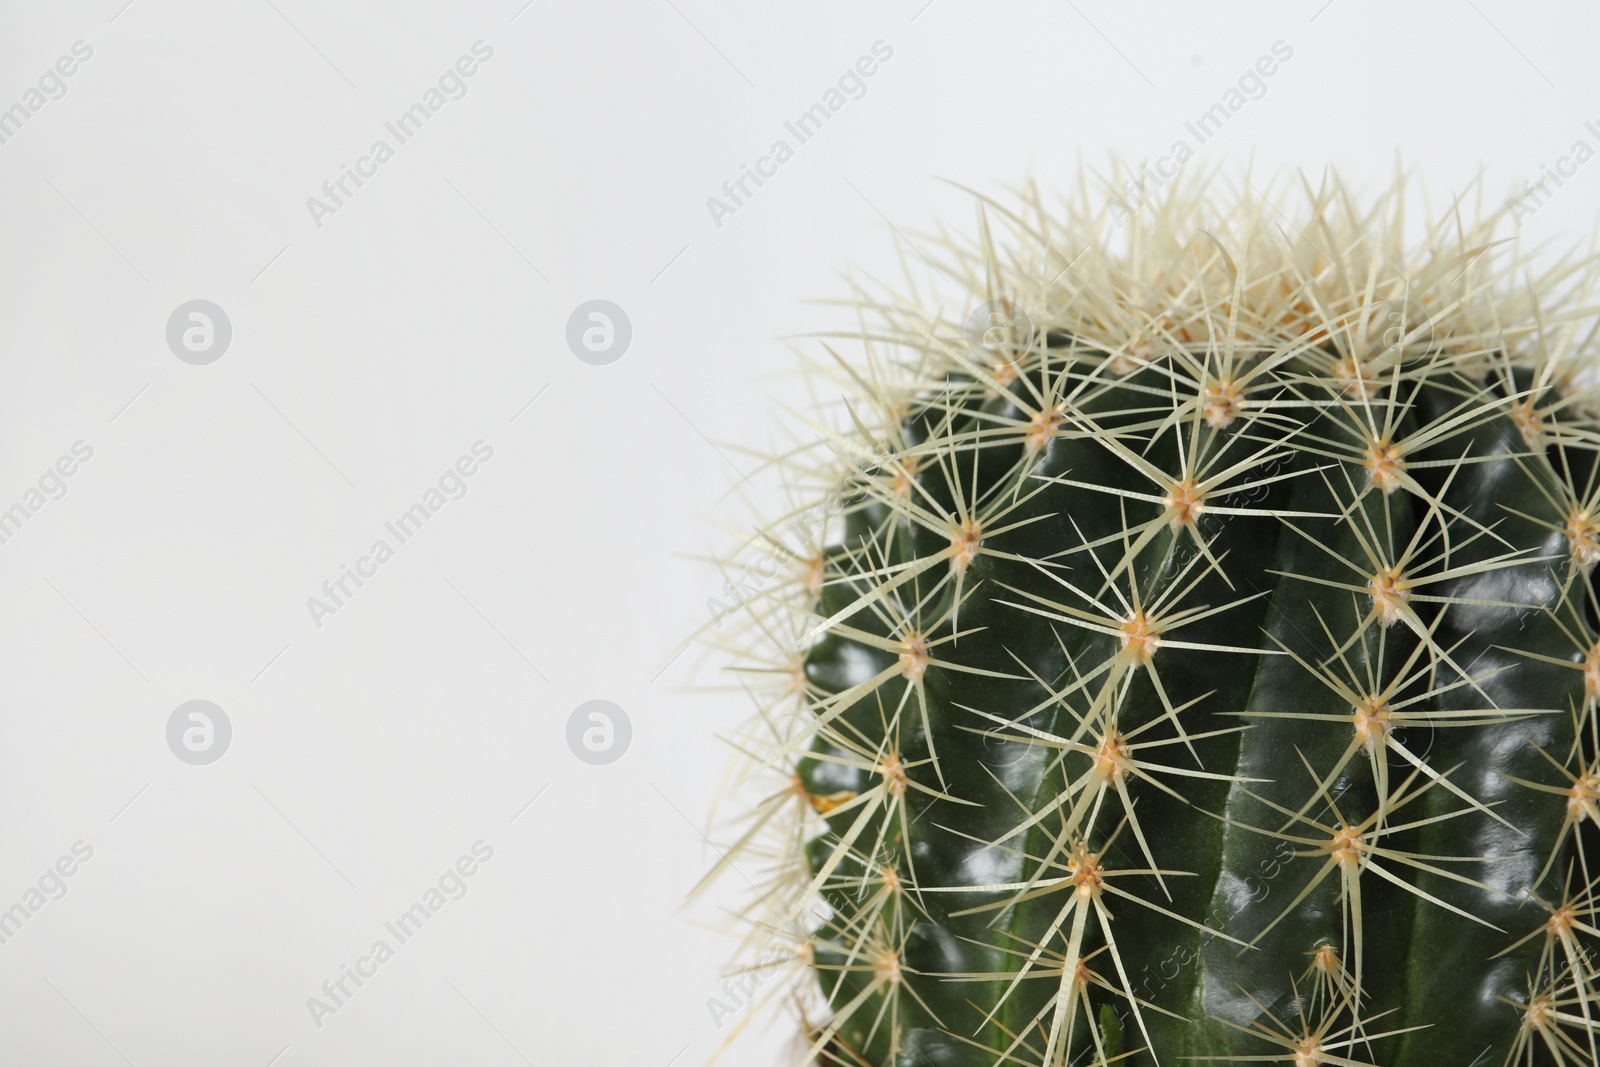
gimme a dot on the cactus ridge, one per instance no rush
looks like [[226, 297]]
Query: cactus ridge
[[1193, 655]]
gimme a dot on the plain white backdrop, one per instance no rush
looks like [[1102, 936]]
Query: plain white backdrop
[[375, 345]]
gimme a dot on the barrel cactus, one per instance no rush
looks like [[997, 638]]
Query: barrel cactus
[[1190, 654]]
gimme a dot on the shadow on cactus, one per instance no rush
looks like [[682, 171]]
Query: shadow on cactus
[[1191, 654]]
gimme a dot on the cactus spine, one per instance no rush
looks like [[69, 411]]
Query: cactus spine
[[1198, 660]]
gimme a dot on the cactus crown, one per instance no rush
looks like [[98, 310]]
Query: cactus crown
[[1191, 654]]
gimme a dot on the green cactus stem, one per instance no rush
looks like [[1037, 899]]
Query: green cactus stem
[[1191, 655]]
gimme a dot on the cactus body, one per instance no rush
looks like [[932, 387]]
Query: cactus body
[[1201, 661]]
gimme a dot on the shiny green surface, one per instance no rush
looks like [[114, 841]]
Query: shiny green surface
[[1225, 941]]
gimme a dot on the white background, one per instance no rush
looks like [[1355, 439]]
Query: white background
[[368, 354]]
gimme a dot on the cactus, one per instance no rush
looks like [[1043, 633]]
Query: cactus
[[1191, 655]]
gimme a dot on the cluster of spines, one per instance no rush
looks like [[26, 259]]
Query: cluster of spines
[[1277, 344]]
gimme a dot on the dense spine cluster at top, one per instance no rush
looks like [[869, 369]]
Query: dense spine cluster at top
[[1199, 661]]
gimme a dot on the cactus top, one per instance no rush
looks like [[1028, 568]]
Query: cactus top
[[1188, 649]]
